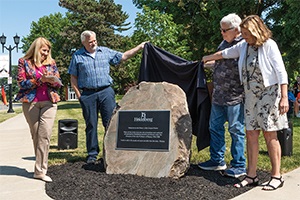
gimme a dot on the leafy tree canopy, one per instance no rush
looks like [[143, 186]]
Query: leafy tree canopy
[[187, 28], [103, 17], [200, 18]]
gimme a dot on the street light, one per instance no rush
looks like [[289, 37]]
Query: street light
[[10, 48]]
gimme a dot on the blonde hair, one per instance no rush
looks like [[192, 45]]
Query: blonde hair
[[33, 54], [257, 28]]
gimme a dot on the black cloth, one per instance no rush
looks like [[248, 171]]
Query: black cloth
[[159, 65]]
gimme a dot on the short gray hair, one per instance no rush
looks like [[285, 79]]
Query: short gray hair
[[233, 20], [85, 34]]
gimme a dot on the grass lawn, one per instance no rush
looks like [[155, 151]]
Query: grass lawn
[[4, 115], [72, 110]]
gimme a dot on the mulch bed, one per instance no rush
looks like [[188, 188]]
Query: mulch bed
[[81, 181]]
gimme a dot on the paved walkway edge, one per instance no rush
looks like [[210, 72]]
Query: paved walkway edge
[[17, 162]]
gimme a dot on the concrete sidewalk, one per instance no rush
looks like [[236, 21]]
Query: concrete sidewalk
[[17, 161], [290, 189]]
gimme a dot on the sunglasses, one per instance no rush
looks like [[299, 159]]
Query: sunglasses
[[225, 30]]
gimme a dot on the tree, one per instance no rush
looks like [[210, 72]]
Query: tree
[[161, 31], [51, 28], [200, 19], [284, 21], [104, 17]]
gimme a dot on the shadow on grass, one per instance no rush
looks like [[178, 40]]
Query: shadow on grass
[[67, 155], [69, 105], [263, 152]]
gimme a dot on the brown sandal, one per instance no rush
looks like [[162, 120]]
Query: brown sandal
[[253, 183]]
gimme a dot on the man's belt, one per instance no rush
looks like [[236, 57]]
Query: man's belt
[[95, 89]]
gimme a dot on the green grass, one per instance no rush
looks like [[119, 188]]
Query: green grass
[[288, 163], [4, 115], [72, 110]]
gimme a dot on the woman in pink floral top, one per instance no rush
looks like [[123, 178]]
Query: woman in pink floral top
[[37, 79]]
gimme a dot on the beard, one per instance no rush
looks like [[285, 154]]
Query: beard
[[94, 48]]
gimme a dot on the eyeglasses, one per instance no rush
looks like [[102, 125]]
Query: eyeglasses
[[225, 30]]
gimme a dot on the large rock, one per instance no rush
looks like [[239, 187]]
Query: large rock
[[174, 162]]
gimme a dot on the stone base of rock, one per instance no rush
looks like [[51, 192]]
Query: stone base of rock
[[152, 163]]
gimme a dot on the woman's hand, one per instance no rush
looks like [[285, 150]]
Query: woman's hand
[[46, 78], [283, 105]]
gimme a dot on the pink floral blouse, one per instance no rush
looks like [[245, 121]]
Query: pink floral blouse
[[28, 81]]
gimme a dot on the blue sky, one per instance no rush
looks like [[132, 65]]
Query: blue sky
[[16, 16]]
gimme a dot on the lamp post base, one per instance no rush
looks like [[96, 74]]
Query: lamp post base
[[10, 110]]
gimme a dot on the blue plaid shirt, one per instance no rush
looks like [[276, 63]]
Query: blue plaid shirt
[[94, 72]]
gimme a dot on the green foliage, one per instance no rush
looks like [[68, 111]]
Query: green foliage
[[200, 19], [15, 87], [51, 27], [125, 75], [161, 31], [104, 17], [285, 25], [187, 28]]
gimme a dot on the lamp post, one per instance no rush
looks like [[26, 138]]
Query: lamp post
[[10, 48]]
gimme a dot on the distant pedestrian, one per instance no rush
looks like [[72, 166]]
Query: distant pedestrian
[[3, 95], [37, 79]]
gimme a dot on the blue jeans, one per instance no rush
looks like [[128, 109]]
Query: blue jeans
[[235, 117], [92, 103]]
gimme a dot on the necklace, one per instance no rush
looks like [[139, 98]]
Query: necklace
[[248, 76]]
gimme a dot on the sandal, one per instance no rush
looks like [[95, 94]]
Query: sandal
[[272, 186], [253, 183]]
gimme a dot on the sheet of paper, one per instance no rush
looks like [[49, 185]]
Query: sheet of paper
[[55, 79]]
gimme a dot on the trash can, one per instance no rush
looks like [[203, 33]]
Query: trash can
[[67, 134], [285, 137]]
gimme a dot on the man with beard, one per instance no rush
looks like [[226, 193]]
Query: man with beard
[[91, 81]]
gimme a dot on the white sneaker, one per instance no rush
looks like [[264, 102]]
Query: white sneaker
[[298, 115], [45, 178]]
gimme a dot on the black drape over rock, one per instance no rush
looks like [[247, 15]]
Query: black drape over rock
[[159, 65]]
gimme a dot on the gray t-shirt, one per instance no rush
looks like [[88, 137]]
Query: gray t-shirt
[[228, 89]]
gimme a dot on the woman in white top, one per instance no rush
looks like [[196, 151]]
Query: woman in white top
[[265, 80]]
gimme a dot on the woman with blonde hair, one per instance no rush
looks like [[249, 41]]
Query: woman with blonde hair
[[39, 80], [265, 80]]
